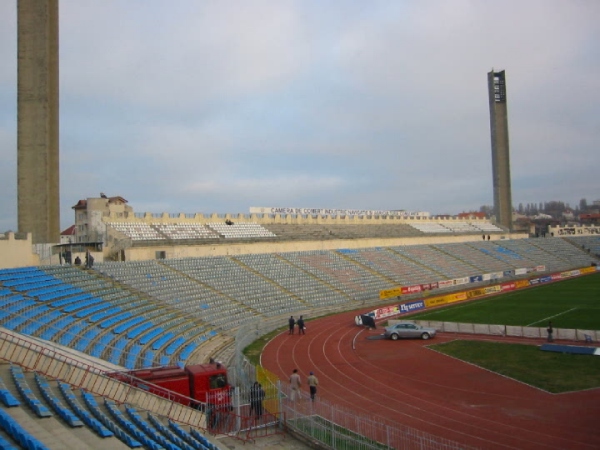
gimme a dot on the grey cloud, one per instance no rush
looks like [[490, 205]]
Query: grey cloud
[[211, 106]]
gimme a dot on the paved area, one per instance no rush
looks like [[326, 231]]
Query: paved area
[[278, 442]]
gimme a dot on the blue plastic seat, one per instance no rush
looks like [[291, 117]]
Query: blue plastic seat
[[90, 421], [22, 436]]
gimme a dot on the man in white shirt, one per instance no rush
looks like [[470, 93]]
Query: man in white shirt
[[295, 384]]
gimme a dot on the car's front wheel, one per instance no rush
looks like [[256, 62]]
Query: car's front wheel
[[394, 337], [425, 336]]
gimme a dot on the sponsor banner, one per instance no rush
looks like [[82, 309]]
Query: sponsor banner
[[429, 286], [522, 284], [476, 293], [457, 297], [386, 311], [336, 212], [540, 268], [460, 296], [389, 293], [412, 306], [476, 279], [496, 275], [435, 301], [458, 281], [521, 271], [445, 283], [507, 273], [492, 289], [415, 289], [508, 286]]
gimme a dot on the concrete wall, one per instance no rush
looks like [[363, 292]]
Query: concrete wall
[[20, 253], [24, 253], [190, 251], [17, 252], [263, 219]]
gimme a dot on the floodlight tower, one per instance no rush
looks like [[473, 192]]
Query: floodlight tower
[[37, 120], [500, 148]]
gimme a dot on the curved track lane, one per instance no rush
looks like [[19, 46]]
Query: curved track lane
[[404, 382]]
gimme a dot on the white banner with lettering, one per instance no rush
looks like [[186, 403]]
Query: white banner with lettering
[[336, 212]]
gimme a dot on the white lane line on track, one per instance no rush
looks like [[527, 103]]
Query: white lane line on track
[[354, 339]]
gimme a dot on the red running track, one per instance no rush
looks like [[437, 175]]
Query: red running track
[[404, 382]]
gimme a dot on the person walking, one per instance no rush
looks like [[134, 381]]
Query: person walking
[[312, 382], [301, 327], [550, 331], [291, 323], [295, 383]]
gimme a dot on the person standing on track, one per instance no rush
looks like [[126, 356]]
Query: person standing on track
[[295, 383], [312, 382], [300, 323], [550, 331], [291, 323]]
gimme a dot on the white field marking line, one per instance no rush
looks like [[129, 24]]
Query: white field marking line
[[551, 317]]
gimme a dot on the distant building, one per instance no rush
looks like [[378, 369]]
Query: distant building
[[589, 218], [88, 217], [68, 236]]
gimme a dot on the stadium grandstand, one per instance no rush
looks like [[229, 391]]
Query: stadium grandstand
[[176, 289]]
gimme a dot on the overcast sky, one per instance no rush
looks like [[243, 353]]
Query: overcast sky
[[216, 106]]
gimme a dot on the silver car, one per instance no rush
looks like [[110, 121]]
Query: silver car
[[408, 330]]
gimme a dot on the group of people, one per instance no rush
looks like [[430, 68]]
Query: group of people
[[296, 384], [66, 257], [257, 393], [293, 322]]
